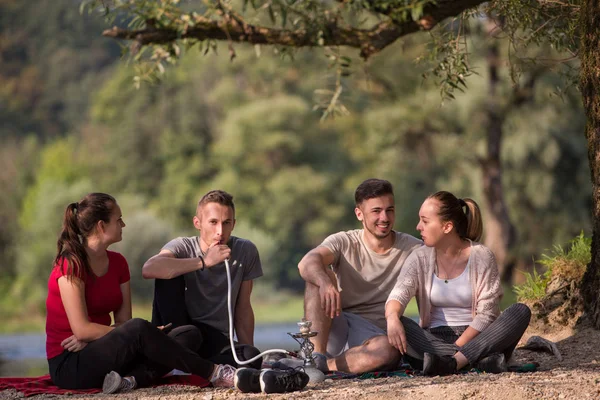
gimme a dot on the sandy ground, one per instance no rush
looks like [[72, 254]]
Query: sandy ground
[[577, 376]]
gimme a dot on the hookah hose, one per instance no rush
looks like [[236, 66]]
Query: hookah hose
[[231, 324]]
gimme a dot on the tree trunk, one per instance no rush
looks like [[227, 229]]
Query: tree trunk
[[499, 231], [590, 89]]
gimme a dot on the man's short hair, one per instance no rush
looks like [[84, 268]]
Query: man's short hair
[[217, 196], [372, 188]]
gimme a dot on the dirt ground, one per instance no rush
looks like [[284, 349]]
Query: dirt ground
[[577, 376]]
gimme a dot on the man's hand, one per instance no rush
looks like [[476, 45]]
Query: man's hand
[[216, 254], [330, 300], [72, 344], [396, 334]]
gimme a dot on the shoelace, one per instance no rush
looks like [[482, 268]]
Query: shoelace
[[226, 373]]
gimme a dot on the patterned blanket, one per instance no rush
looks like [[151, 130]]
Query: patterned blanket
[[43, 384]]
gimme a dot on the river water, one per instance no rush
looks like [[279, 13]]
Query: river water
[[27, 352]]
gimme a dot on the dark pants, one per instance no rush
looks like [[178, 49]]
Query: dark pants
[[501, 336], [136, 349], [169, 306]]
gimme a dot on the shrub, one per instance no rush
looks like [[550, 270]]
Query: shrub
[[567, 265]]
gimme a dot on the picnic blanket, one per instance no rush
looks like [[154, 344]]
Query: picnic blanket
[[43, 384], [406, 371]]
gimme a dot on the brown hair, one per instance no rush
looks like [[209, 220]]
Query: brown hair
[[78, 223], [463, 213], [219, 197], [372, 188]]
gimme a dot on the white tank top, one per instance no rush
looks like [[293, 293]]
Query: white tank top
[[451, 300]]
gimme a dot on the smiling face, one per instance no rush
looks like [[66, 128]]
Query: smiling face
[[215, 223], [431, 226], [377, 215]]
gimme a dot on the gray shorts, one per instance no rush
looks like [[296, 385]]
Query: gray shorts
[[350, 330]]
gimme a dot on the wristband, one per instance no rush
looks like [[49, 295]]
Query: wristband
[[203, 263]]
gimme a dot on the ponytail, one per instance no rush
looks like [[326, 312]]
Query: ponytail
[[474, 220], [79, 222]]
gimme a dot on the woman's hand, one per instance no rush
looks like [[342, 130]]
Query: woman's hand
[[73, 344], [396, 334]]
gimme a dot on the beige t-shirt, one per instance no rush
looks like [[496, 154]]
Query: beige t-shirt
[[365, 278]]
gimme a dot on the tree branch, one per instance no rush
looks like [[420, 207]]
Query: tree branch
[[369, 41]]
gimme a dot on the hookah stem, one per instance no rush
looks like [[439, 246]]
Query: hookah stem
[[235, 357]]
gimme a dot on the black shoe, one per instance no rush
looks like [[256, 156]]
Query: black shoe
[[492, 364], [434, 365], [273, 381], [247, 380]]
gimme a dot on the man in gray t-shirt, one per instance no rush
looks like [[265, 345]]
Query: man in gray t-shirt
[[191, 281], [348, 278]]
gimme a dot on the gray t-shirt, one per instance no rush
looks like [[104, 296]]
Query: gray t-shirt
[[206, 291], [365, 278]]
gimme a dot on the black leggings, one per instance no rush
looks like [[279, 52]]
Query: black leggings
[[169, 307], [135, 348]]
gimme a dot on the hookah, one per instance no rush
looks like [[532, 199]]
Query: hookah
[[306, 348], [302, 337]]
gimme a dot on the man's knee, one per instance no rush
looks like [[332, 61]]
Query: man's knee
[[383, 354]]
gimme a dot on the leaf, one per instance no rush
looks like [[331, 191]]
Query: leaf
[[417, 12], [272, 14]]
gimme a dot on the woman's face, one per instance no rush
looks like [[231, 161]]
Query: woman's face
[[113, 230], [430, 226]]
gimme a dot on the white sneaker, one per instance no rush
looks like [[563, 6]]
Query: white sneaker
[[114, 383], [223, 376]]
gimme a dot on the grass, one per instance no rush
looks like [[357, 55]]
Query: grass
[[569, 265]]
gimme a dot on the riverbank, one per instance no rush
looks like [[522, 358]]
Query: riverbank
[[577, 376]]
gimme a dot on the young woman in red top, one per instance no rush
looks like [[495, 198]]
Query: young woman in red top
[[87, 283]]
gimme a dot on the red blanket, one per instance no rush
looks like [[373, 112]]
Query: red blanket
[[43, 384]]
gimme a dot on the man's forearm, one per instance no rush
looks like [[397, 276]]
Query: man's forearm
[[244, 326], [160, 267]]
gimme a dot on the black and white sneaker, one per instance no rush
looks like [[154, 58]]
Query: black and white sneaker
[[274, 381], [247, 380]]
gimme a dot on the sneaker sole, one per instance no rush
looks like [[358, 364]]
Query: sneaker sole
[[111, 383]]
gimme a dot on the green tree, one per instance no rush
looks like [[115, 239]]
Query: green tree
[[330, 24], [50, 61]]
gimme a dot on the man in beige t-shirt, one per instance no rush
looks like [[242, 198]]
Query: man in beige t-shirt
[[348, 279]]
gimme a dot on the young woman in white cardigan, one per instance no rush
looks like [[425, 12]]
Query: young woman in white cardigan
[[458, 291]]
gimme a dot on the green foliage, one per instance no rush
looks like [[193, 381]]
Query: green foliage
[[248, 127], [534, 287], [144, 236], [51, 59], [568, 264]]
